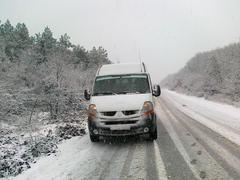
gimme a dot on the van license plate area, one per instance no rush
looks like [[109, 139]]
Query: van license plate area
[[120, 128]]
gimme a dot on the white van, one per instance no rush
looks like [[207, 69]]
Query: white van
[[121, 102]]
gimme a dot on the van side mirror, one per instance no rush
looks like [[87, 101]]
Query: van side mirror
[[156, 90], [87, 94]]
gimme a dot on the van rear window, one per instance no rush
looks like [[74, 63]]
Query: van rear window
[[121, 84]]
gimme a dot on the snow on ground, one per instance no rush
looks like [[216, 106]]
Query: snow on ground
[[18, 152], [221, 118], [68, 162], [60, 161], [73, 154]]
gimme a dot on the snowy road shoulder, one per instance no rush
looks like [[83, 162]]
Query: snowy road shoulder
[[58, 166], [79, 158], [221, 118]]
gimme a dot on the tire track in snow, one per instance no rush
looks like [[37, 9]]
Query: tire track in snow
[[137, 168], [201, 109], [204, 162], [101, 165], [150, 161], [109, 171], [231, 146], [225, 130], [226, 154], [178, 144], [160, 167], [171, 152], [236, 131], [116, 164], [127, 163]]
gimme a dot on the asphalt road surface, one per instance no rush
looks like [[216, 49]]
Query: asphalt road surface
[[185, 149]]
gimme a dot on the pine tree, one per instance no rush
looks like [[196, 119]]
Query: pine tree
[[2, 45], [214, 80], [98, 56], [64, 41], [80, 56], [7, 31], [45, 44], [237, 82], [22, 36], [3, 56]]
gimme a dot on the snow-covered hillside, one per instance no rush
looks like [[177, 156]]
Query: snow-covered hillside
[[214, 75]]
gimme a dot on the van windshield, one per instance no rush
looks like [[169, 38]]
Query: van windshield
[[121, 84]]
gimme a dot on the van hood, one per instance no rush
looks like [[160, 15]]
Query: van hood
[[121, 102]]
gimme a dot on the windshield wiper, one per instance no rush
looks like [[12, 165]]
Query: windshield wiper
[[105, 93], [133, 92], [127, 92]]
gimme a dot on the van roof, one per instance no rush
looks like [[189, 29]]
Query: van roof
[[123, 68]]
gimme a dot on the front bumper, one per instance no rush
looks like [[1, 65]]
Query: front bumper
[[97, 128]]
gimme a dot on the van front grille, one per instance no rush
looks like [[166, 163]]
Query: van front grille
[[131, 112], [108, 113], [119, 122]]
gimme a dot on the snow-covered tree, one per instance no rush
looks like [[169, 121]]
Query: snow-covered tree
[[213, 73], [45, 44], [98, 56], [64, 41], [213, 82], [80, 57]]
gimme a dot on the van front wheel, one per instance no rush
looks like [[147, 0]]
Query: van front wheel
[[153, 135], [94, 138]]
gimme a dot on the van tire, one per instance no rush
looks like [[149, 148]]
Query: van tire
[[94, 138], [153, 135]]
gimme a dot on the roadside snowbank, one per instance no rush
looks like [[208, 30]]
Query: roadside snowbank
[[67, 161], [221, 118], [18, 152]]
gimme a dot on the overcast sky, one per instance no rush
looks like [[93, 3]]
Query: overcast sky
[[166, 33]]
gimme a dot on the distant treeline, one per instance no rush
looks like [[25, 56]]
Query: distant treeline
[[214, 74], [44, 68], [15, 41]]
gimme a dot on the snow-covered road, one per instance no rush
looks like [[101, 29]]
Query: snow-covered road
[[197, 139]]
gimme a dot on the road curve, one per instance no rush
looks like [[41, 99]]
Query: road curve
[[185, 149]]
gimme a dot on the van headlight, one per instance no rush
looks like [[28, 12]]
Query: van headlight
[[92, 110], [147, 108]]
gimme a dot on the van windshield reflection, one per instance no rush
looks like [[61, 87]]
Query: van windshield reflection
[[121, 84]]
